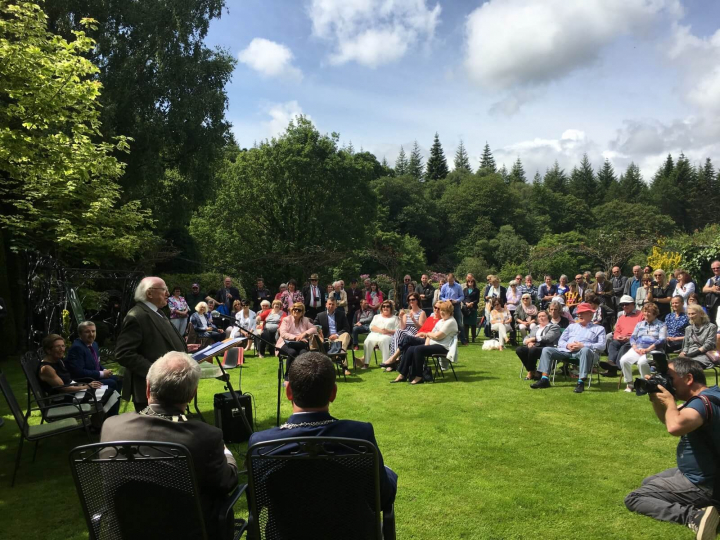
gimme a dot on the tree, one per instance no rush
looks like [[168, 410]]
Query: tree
[[632, 188], [684, 178], [436, 164], [164, 88], [583, 183], [503, 172], [58, 185], [401, 163], [462, 161], [703, 198], [556, 180], [415, 164], [537, 179], [607, 181], [254, 221], [487, 161], [517, 173]]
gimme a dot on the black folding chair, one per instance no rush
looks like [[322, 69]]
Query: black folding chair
[[335, 490], [34, 433], [143, 490], [56, 407]]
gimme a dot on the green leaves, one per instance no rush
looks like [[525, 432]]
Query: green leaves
[[58, 186]]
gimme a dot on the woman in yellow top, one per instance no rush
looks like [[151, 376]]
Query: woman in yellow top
[[572, 297]]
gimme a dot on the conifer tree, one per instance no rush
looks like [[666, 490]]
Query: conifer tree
[[415, 164], [683, 177], [517, 173], [631, 187], [556, 180], [537, 179], [487, 161], [401, 163], [462, 161], [437, 167], [607, 181], [503, 172], [583, 183], [702, 197]]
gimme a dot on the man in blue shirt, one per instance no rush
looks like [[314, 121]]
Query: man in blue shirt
[[686, 494], [529, 288], [582, 340], [453, 292], [635, 282]]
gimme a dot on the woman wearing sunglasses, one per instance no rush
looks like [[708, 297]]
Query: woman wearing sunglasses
[[295, 332]]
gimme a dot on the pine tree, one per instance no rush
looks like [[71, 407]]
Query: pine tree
[[702, 197], [462, 161], [683, 177], [583, 183], [556, 180], [537, 179], [350, 149], [437, 167], [607, 181], [388, 171], [401, 163], [487, 161], [503, 172], [415, 164], [517, 173], [631, 187]]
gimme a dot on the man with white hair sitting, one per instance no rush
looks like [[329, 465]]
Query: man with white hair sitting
[[145, 336], [172, 382]]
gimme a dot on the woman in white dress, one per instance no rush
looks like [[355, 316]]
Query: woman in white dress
[[382, 330], [684, 288]]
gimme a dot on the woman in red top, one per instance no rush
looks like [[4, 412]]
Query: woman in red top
[[407, 340]]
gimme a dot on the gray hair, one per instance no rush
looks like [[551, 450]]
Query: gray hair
[[563, 276], [704, 319], [263, 303], [336, 283], [600, 274], [142, 289], [85, 324], [201, 305], [174, 378]]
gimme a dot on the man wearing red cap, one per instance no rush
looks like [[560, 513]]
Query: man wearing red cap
[[582, 340]]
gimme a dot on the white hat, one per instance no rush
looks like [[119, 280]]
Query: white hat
[[626, 299]]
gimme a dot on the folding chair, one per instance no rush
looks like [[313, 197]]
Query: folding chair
[[330, 471], [34, 433], [142, 490], [438, 359], [595, 364]]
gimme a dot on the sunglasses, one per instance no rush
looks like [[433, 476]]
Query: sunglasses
[[413, 300], [436, 308], [386, 307], [296, 310]]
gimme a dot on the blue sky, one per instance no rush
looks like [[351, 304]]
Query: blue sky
[[630, 80]]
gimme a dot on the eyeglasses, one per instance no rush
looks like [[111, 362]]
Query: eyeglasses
[[436, 308], [160, 288], [313, 280], [412, 300], [386, 307], [716, 267], [578, 277], [296, 310]]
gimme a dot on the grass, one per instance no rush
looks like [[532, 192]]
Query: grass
[[485, 457]]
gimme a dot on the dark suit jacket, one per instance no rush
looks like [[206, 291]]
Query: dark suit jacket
[[144, 337], [503, 294], [341, 323], [353, 297], [80, 361], [258, 295], [216, 472], [220, 295], [322, 295], [607, 291], [340, 428]]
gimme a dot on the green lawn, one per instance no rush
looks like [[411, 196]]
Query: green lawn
[[485, 457]]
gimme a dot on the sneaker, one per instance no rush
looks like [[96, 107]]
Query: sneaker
[[704, 523], [542, 383], [629, 389], [579, 388]]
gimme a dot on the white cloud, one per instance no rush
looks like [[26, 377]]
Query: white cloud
[[280, 116], [532, 42], [698, 59], [270, 59], [372, 32]]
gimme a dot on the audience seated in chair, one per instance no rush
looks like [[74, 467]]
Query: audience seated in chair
[[311, 389], [526, 315], [699, 337], [83, 359], [602, 315], [202, 322], [437, 341], [500, 321], [172, 381], [583, 341], [676, 321], [649, 335], [628, 318], [409, 340], [545, 334], [361, 323], [335, 327], [270, 321], [382, 329], [295, 331]]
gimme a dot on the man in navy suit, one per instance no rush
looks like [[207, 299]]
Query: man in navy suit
[[83, 360], [311, 389]]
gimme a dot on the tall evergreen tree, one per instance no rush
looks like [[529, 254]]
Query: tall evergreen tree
[[401, 163], [388, 170], [537, 179], [503, 172], [487, 161], [702, 197], [631, 187], [437, 167], [583, 183], [517, 173], [556, 180], [683, 177], [415, 164], [607, 181], [462, 160]]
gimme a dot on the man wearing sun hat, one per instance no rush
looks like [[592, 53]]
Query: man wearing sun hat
[[624, 328], [581, 341]]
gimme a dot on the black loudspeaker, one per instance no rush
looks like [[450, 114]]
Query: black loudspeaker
[[228, 418]]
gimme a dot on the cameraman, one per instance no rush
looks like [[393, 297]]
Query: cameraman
[[686, 494]]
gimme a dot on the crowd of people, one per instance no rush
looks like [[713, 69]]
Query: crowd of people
[[629, 319]]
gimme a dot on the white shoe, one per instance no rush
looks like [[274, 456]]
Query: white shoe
[[628, 389], [705, 523]]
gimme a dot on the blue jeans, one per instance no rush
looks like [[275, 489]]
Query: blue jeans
[[586, 356]]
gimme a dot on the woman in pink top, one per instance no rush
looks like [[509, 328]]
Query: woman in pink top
[[295, 334]]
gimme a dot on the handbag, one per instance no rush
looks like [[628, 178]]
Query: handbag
[[710, 355]]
